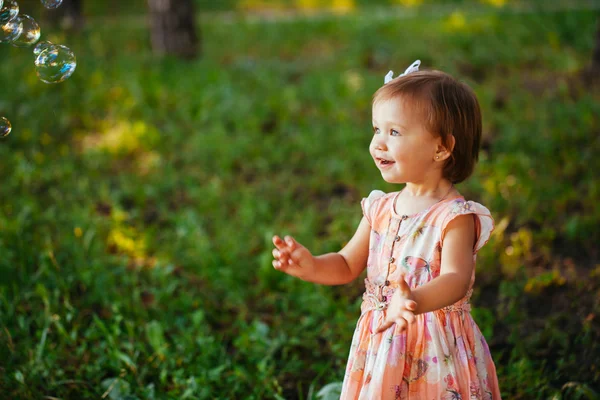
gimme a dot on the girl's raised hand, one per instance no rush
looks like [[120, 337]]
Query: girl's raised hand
[[401, 309], [292, 258]]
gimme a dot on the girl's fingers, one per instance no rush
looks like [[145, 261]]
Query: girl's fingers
[[290, 242], [387, 323], [403, 286], [292, 263], [279, 255], [408, 316], [285, 247], [282, 265], [282, 254], [401, 324], [279, 243]]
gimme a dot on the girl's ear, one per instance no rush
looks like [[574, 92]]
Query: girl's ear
[[442, 152]]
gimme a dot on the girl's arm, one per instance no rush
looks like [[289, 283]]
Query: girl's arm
[[327, 269], [456, 270]]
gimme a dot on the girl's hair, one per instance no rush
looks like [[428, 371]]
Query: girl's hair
[[447, 107]]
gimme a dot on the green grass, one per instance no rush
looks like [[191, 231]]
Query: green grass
[[139, 198]]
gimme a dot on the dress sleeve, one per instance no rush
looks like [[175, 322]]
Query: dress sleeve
[[484, 223], [369, 204]]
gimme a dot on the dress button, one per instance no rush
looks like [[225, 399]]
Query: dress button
[[404, 216], [391, 259], [387, 283], [383, 298], [397, 238]]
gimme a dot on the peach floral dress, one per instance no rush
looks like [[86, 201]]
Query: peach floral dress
[[443, 355]]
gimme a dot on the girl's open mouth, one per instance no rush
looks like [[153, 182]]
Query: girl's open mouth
[[382, 163]]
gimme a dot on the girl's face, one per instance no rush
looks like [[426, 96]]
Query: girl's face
[[401, 147]]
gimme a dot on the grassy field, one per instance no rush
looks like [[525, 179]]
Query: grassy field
[[139, 197]]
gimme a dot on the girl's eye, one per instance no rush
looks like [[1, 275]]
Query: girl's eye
[[395, 133]]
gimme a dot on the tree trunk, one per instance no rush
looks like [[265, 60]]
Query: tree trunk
[[173, 28], [68, 15]]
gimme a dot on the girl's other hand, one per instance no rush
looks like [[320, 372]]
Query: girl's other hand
[[401, 309], [292, 258]]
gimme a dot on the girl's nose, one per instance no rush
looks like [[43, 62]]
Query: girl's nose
[[379, 142]]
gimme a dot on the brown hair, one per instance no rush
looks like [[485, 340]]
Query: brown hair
[[448, 107]]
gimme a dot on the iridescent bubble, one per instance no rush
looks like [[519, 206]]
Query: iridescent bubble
[[9, 11], [5, 127], [55, 63], [30, 34], [51, 3], [11, 30], [41, 46], [1, 4]]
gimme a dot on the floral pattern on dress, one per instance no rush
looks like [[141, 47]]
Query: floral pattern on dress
[[443, 355]]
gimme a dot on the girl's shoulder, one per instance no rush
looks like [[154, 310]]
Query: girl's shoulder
[[460, 206], [377, 196], [375, 203], [454, 208]]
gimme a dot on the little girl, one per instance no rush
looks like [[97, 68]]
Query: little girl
[[415, 338]]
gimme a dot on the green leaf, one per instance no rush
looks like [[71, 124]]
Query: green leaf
[[331, 391], [155, 335], [118, 389]]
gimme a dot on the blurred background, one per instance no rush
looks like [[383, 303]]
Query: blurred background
[[139, 197]]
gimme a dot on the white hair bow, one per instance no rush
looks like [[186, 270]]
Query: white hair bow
[[413, 68]]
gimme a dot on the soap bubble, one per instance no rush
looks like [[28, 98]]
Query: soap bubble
[[5, 126], [11, 30], [55, 63], [1, 4], [41, 46], [9, 11], [51, 3], [30, 34]]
